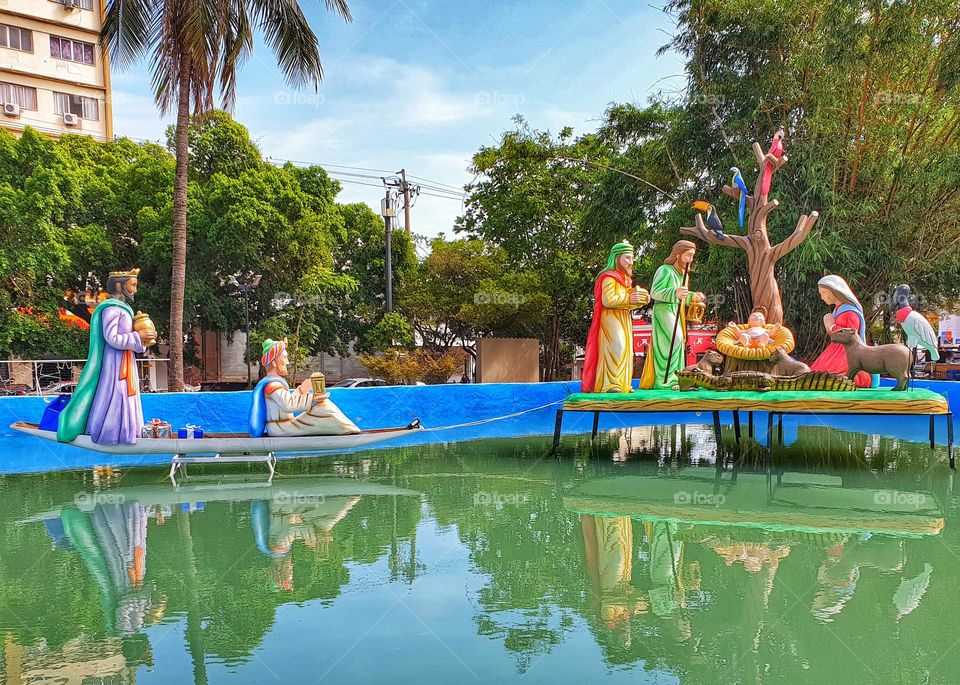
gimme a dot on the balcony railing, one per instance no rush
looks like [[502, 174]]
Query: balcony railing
[[56, 376]]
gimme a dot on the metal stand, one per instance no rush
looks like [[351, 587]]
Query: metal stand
[[558, 426], [180, 461], [948, 416], [716, 432]]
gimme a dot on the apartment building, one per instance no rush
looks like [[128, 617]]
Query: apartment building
[[53, 75]]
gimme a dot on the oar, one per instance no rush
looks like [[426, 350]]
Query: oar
[[676, 323]]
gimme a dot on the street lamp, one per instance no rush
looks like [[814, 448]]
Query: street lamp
[[387, 211], [250, 282]]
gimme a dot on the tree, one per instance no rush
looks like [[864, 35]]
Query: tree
[[196, 47], [762, 257], [530, 203], [447, 281]]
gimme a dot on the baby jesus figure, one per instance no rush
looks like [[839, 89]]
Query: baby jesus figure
[[756, 332]]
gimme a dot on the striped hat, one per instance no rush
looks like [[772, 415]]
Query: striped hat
[[272, 349]]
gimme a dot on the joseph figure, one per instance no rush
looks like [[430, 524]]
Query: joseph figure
[[106, 404], [670, 296], [608, 363]]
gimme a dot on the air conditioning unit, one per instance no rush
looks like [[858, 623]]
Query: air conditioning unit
[[71, 5], [11, 109], [70, 119]]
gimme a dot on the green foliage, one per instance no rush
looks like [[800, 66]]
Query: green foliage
[[392, 330], [530, 205], [399, 367], [73, 209], [217, 144], [447, 281]]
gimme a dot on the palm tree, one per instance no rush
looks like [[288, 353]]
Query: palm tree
[[196, 48]]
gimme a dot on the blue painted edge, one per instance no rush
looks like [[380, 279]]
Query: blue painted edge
[[435, 405]]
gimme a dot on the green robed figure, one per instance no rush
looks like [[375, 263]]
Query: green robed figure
[[668, 291]]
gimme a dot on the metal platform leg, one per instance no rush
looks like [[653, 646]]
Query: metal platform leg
[[933, 443], [736, 425], [780, 429], [750, 424], [950, 440], [556, 432], [174, 465], [716, 432], [769, 454], [596, 422], [272, 465]]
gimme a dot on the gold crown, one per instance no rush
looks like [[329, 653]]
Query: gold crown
[[132, 273]]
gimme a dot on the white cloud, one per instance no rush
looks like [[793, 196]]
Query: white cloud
[[135, 115]]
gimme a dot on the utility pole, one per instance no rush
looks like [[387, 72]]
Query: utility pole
[[406, 200], [387, 212], [407, 189]]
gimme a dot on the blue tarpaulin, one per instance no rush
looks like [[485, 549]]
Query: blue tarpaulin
[[382, 407]]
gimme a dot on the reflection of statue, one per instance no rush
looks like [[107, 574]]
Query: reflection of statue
[[282, 412], [608, 362], [840, 571], [112, 541], [670, 294], [106, 403]]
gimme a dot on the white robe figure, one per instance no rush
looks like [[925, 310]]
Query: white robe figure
[[291, 413]]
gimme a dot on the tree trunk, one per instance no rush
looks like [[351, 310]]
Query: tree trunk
[[764, 289], [552, 350], [762, 257], [178, 277]]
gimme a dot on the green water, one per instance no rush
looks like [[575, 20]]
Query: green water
[[636, 561]]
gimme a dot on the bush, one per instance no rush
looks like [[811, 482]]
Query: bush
[[398, 368]]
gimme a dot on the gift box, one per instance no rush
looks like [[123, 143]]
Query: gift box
[[190, 432], [51, 413], [156, 429]]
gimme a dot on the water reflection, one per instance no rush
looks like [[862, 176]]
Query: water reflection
[[623, 559]]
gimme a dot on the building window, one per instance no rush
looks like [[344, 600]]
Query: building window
[[24, 96], [71, 50], [83, 107], [16, 38], [85, 4]]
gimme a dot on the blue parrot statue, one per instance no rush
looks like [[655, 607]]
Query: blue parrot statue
[[738, 182]]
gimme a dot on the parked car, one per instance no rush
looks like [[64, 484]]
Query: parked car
[[359, 383]]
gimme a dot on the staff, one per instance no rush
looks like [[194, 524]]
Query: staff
[[676, 323]]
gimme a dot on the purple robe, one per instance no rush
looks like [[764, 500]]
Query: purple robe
[[116, 417]]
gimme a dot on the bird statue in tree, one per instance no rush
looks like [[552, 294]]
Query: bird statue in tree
[[915, 326], [738, 183], [762, 257], [773, 154], [713, 221]]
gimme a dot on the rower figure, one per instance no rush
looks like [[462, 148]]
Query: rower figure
[[282, 412]]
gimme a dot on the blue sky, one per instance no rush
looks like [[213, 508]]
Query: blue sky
[[422, 84]]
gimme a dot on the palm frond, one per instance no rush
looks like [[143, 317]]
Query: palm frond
[[127, 32], [294, 43]]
